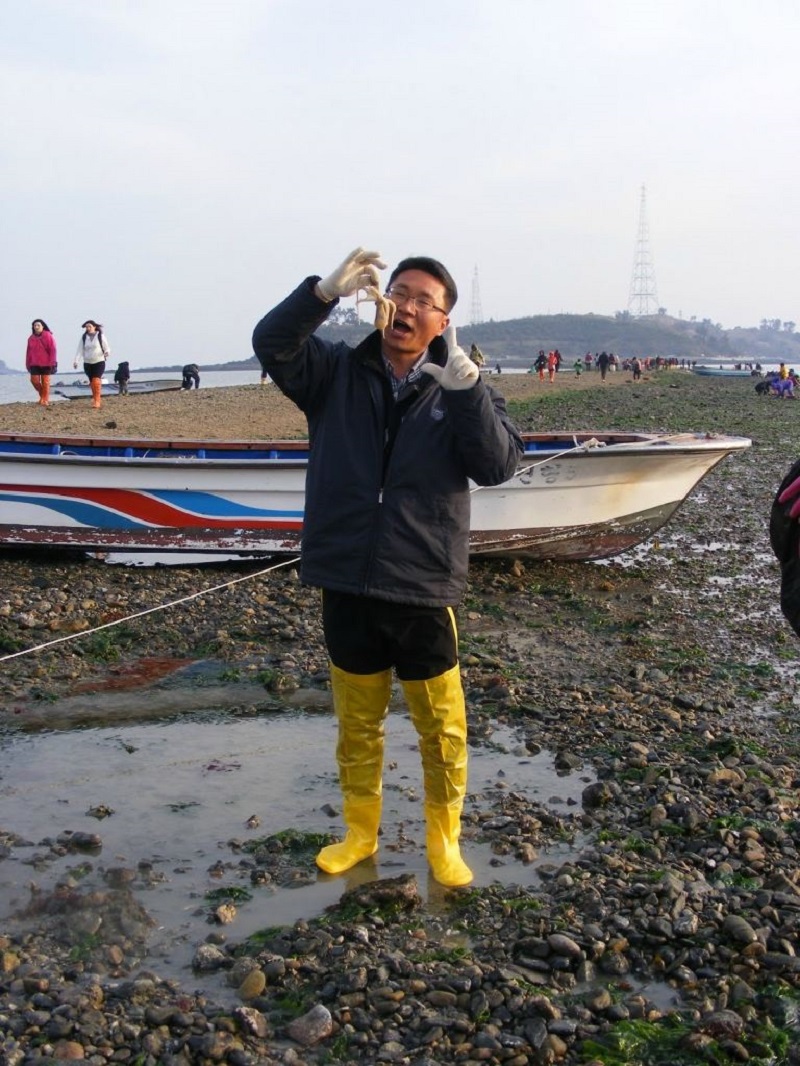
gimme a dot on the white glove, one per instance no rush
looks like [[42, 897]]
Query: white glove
[[459, 372], [358, 271]]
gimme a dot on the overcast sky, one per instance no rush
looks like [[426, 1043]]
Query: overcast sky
[[172, 168]]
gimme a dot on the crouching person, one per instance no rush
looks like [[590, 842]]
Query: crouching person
[[122, 375], [398, 426]]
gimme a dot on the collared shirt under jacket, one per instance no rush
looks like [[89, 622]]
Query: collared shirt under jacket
[[387, 494]]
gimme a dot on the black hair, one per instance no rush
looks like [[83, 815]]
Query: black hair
[[98, 334], [45, 327], [435, 269]]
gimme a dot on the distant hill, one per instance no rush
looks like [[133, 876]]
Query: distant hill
[[516, 342]]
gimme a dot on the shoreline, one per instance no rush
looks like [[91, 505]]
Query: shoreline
[[236, 412]]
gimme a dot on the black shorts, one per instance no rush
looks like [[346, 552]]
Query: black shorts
[[40, 371], [94, 370], [365, 636]]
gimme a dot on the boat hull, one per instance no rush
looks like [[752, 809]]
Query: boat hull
[[722, 372], [81, 390], [570, 499]]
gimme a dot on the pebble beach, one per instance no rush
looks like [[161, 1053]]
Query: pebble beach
[[240, 412], [666, 677]]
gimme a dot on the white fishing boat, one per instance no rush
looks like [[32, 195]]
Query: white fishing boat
[[711, 371], [574, 496]]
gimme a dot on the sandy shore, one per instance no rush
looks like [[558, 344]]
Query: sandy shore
[[242, 412]]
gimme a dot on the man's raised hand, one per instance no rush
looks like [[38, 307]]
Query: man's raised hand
[[459, 372], [358, 271]]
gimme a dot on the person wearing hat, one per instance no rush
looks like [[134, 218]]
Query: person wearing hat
[[93, 349], [398, 426]]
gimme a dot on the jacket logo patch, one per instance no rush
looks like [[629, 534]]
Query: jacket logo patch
[[437, 414]]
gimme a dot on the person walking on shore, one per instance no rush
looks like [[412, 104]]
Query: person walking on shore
[[552, 366], [40, 359], [398, 426], [476, 355], [541, 364], [93, 349]]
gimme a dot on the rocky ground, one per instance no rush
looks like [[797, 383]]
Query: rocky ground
[[670, 934], [241, 413]]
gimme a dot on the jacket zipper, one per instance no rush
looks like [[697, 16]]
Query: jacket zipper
[[395, 413]]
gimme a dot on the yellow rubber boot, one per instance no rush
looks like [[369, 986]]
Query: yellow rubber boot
[[45, 393], [360, 702], [36, 381], [439, 715], [363, 820], [444, 853], [96, 386]]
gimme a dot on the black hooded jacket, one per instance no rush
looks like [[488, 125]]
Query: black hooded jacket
[[387, 494]]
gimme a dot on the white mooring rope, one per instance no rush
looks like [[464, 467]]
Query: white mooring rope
[[593, 442], [150, 610]]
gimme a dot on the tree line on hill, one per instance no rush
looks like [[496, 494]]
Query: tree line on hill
[[516, 342]]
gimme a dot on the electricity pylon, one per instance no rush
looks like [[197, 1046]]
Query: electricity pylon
[[476, 311], [643, 297]]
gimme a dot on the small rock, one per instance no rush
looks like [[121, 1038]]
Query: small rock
[[225, 913], [253, 985], [723, 1025], [739, 929], [312, 1027], [252, 1021], [208, 958]]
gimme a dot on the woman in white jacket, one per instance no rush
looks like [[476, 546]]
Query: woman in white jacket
[[93, 349]]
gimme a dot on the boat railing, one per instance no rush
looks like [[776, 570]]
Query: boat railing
[[45, 448]]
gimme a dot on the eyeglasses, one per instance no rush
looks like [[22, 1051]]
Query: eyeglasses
[[420, 303]]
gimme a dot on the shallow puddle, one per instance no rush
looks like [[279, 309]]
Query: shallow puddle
[[182, 790]]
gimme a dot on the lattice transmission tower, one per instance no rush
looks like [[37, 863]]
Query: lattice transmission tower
[[643, 296], [475, 310]]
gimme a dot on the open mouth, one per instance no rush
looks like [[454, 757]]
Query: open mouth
[[401, 327]]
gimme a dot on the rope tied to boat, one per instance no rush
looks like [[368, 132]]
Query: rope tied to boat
[[585, 446], [150, 610]]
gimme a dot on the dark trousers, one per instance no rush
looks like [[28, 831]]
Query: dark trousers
[[366, 635]]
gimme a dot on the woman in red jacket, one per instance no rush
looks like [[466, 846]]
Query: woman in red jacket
[[40, 359]]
